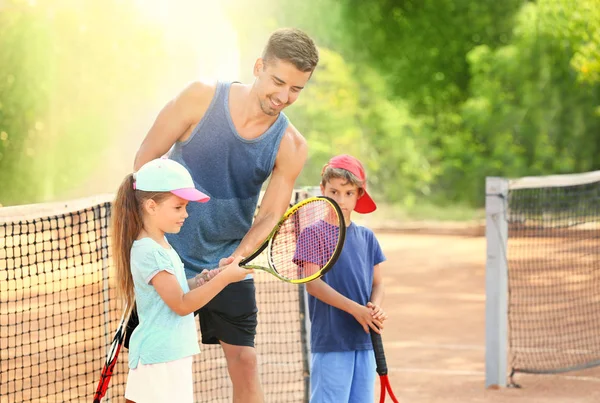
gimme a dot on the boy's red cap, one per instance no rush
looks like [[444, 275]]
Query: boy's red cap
[[365, 203]]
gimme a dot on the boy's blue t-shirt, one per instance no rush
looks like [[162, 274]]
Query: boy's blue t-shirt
[[352, 276], [162, 335]]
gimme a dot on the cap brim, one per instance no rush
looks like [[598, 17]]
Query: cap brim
[[191, 194], [365, 204]]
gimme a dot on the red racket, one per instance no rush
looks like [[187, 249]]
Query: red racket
[[111, 360], [384, 382]]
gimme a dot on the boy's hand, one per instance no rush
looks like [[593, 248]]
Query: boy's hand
[[377, 312], [363, 315]]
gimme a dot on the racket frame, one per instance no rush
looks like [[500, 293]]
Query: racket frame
[[269, 241], [111, 357]]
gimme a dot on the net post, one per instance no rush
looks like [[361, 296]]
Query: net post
[[496, 282]]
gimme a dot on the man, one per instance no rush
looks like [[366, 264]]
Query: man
[[232, 137]]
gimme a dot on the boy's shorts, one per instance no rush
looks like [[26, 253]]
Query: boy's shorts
[[231, 316], [342, 377]]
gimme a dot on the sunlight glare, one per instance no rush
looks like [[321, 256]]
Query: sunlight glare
[[204, 27]]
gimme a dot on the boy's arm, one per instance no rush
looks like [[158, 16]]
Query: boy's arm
[[377, 292], [325, 293]]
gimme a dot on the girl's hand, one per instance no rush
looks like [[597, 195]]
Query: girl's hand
[[205, 276]]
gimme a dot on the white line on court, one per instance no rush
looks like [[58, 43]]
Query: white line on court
[[436, 346], [481, 374], [450, 372], [478, 347]]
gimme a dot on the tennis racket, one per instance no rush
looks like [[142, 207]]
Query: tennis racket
[[111, 359], [304, 244], [384, 382]]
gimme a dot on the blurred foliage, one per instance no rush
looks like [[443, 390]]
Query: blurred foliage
[[433, 95], [529, 108], [70, 73], [25, 90], [344, 112], [464, 89]]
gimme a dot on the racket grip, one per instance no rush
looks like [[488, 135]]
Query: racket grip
[[379, 354]]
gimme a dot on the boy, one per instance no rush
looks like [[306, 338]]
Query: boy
[[344, 305]]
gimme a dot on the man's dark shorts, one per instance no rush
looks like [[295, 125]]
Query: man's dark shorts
[[231, 315]]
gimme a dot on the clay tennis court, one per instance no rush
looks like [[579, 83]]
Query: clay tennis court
[[434, 339]]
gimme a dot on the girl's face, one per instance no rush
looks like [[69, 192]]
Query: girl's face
[[169, 214], [344, 193]]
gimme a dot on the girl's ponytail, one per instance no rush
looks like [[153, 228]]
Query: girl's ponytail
[[126, 226]]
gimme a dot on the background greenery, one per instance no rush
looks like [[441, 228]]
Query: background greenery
[[433, 95]]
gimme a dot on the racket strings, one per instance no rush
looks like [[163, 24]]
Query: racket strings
[[306, 240]]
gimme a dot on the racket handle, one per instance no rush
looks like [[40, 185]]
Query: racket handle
[[379, 354]]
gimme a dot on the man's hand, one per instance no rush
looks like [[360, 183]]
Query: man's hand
[[225, 261]]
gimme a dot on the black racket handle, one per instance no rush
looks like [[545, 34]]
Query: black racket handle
[[379, 354]]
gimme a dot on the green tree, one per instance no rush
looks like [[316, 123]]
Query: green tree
[[491, 88], [528, 110], [70, 73], [345, 110], [586, 60]]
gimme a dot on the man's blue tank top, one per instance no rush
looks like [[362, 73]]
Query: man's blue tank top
[[231, 170]]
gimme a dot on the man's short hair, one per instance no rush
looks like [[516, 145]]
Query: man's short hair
[[294, 46]]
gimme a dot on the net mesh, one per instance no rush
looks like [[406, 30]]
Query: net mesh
[[59, 311], [554, 277]]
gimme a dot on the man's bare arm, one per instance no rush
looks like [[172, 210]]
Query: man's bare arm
[[290, 160], [175, 122]]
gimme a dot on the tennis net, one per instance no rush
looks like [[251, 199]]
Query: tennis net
[[553, 254], [59, 311]]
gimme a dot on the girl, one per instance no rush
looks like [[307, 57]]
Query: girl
[[149, 204]]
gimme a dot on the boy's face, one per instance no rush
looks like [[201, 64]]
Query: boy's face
[[344, 193]]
